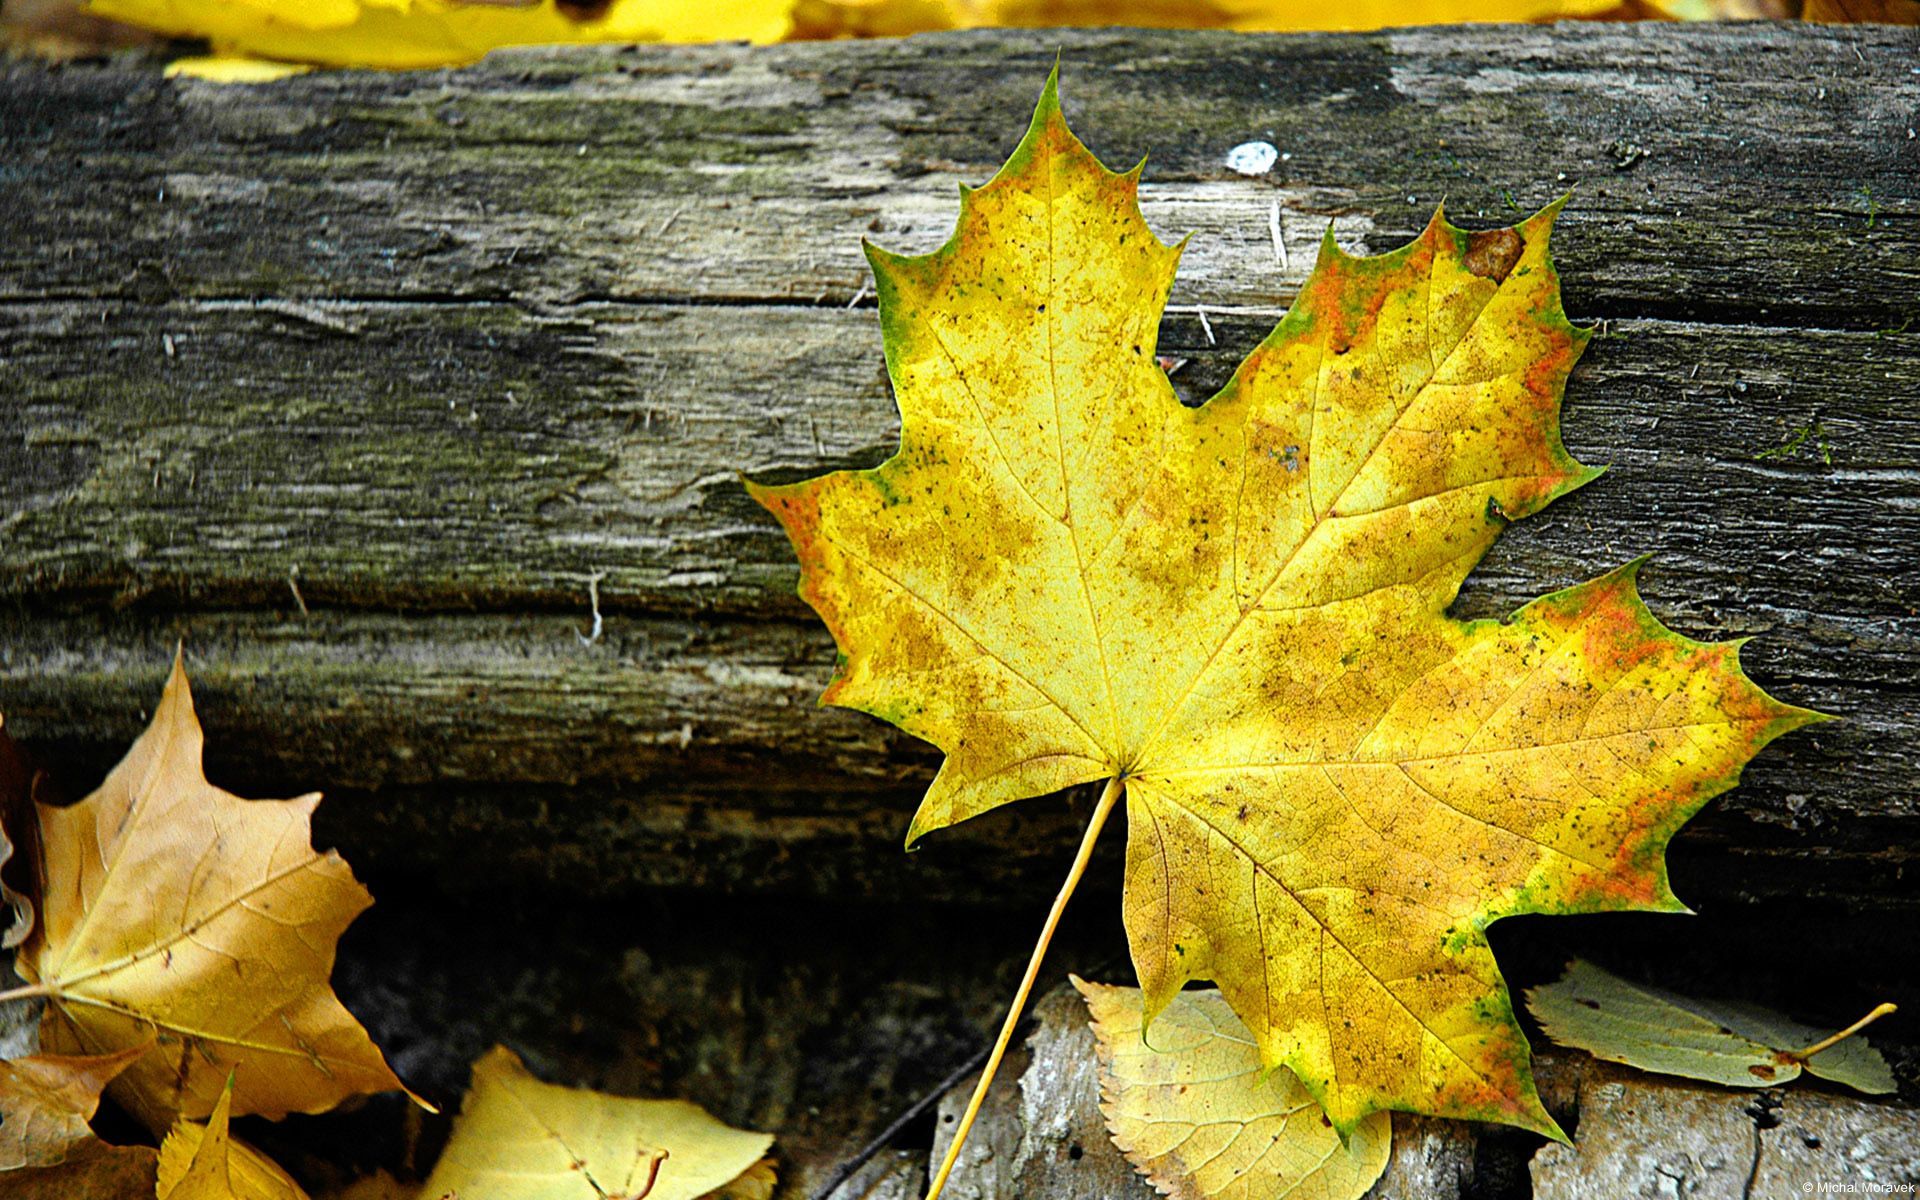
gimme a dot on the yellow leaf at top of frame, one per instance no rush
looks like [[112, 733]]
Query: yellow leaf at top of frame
[[893, 18], [520, 1139], [1239, 612], [430, 33], [204, 1162], [175, 913], [1197, 1114]]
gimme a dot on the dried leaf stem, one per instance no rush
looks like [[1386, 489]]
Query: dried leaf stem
[[1879, 1010], [31, 991], [1114, 789]]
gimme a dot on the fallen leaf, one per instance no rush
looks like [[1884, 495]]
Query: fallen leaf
[[428, 33], [1724, 1042], [1886, 12], [16, 812], [755, 1183], [892, 18], [173, 910], [1236, 616], [47, 1146], [232, 68], [520, 1139], [47, 1102], [258, 40], [62, 29], [204, 1162], [110, 1173], [1196, 1113], [380, 1185]]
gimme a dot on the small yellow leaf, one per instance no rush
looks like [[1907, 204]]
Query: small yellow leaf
[[175, 911], [1195, 1112], [233, 68], [520, 1139], [203, 1162]]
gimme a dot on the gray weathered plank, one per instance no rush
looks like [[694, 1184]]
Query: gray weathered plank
[[1763, 170], [146, 477], [393, 344], [480, 456]]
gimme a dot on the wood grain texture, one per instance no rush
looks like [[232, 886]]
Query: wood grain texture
[[355, 381]]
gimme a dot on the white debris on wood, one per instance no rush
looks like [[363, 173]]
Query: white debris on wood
[[593, 599], [1252, 158]]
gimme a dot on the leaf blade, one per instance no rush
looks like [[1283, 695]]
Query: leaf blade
[[1333, 787], [518, 1138], [1199, 1116], [176, 908], [1734, 1044]]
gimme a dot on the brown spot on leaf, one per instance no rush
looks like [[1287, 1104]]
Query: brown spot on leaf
[[1762, 1071], [582, 10], [1491, 253]]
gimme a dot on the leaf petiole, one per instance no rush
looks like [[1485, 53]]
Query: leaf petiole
[[1114, 789], [1879, 1010], [31, 991]]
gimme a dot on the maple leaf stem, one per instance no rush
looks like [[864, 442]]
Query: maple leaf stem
[[29, 992], [1879, 1010], [1114, 789]]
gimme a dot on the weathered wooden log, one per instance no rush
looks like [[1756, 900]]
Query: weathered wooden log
[[372, 387]]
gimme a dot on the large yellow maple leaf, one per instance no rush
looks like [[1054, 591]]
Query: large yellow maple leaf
[[1236, 615], [175, 913]]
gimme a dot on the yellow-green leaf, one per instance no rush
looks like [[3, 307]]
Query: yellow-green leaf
[[1196, 1113], [1239, 611], [178, 914], [204, 1162], [1724, 1042], [520, 1139]]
